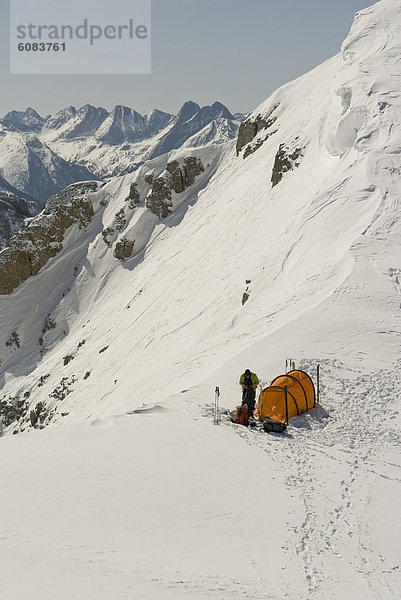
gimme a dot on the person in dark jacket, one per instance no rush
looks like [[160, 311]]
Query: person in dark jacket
[[249, 382]]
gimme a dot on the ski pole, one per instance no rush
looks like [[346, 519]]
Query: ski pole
[[216, 405]]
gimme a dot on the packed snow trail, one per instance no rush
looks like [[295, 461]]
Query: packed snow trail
[[342, 462]]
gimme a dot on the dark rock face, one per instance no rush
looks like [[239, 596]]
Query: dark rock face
[[286, 160], [40, 239], [159, 200], [13, 409], [13, 211], [249, 129], [183, 177], [192, 168], [178, 179], [124, 249], [251, 149], [134, 197], [72, 192]]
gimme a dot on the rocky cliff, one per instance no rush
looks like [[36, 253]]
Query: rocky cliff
[[39, 239]]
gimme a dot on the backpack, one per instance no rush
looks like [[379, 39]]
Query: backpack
[[242, 415], [271, 426]]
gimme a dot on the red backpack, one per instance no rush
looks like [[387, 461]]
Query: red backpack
[[242, 415]]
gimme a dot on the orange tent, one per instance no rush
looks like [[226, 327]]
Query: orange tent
[[288, 395]]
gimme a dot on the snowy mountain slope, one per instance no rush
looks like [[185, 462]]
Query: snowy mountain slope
[[302, 214], [219, 131], [31, 166]]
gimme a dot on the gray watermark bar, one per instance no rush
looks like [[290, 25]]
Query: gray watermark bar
[[80, 37]]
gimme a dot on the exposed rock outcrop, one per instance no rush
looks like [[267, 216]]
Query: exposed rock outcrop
[[40, 239], [159, 200], [286, 160], [177, 179], [250, 128], [124, 249], [13, 409], [134, 197]]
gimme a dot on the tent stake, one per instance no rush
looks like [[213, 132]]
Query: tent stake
[[318, 383]]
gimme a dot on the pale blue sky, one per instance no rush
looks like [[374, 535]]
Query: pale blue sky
[[234, 51]]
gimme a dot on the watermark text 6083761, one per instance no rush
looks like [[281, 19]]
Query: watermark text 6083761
[[42, 47], [91, 37]]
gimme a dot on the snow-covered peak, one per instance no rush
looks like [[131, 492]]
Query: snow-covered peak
[[159, 119], [28, 120], [54, 122], [190, 121], [218, 110], [218, 131], [123, 124], [187, 111], [85, 122]]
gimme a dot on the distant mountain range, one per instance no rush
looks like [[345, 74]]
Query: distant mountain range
[[39, 156]]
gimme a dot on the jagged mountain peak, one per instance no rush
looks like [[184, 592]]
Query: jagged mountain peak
[[188, 110], [23, 121], [123, 124], [31, 112], [159, 119], [86, 121], [59, 119], [221, 111], [105, 143], [91, 108], [191, 120]]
